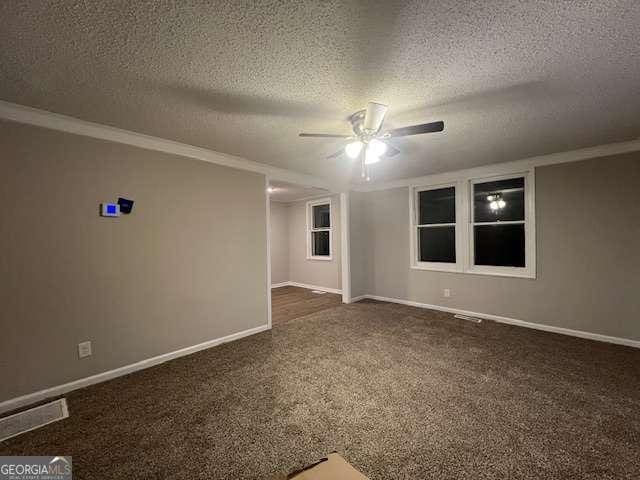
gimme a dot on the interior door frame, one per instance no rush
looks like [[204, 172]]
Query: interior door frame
[[345, 247], [268, 232]]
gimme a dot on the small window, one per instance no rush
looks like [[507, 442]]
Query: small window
[[435, 226], [499, 223], [319, 230]]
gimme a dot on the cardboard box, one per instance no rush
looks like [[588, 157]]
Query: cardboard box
[[333, 467]]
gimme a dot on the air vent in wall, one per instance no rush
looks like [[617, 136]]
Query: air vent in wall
[[33, 418]]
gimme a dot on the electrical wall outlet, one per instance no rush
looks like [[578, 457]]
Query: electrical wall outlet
[[84, 349], [447, 292]]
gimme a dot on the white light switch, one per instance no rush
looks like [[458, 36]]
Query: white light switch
[[447, 292], [84, 349]]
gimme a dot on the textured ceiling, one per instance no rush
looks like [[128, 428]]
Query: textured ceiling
[[511, 79]]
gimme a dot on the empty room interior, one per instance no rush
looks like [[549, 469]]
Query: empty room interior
[[320, 240]]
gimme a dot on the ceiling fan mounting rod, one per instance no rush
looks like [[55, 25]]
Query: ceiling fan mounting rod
[[357, 124]]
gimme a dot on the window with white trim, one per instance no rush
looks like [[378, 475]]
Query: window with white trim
[[435, 227], [475, 225], [498, 223], [319, 230]]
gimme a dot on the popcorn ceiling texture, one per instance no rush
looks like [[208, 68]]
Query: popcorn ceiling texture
[[511, 79]]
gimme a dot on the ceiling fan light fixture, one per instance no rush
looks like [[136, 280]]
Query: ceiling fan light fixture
[[377, 147], [370, 157], [366, 125], [353, 149]]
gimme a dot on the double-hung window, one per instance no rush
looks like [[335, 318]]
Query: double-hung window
[[319, 230], [435, 227], [483, 225], [498, 220]]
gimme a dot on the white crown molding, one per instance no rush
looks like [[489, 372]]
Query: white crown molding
[[54, 121], [507, 167], [303, 199]]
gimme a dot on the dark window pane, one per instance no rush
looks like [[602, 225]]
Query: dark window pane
[[499, 245], [320, 243], [508, 196], [437, 206], [321, 216], [437, 244]]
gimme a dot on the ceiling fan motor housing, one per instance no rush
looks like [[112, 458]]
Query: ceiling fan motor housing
[[366, 123]]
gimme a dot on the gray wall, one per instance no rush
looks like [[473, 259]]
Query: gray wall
[[322, 273], [588, 253], [187, 266], [279, 242]]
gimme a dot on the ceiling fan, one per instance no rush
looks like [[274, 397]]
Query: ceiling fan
[[368, 141]]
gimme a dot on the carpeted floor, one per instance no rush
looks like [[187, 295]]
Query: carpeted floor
[[401, 393]]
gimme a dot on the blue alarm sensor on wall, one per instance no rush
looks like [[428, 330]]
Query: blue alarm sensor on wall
[[109, 210]]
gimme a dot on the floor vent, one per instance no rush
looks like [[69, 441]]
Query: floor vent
[[318, 292], [468, 318], [33, 418]]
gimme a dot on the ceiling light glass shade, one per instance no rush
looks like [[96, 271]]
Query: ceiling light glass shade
[[493, 205], [353, 149], [370, 157], [377, 147], [502, 203]]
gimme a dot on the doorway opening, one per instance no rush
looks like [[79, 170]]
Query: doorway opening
[[306, 250]]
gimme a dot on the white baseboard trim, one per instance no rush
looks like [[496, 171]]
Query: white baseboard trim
[[316, 287], [40, 395], [307, 286], [511, 321], [358, 298]]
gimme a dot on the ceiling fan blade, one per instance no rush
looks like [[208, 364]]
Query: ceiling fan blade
[[335, 155], [323, 135], [391, 150], [374, 116], [417, 129]]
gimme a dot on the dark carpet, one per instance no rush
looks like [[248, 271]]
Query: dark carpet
[[401, 393]]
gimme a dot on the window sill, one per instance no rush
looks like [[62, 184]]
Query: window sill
[[451, 268], [513, 273], [325, 259], [490, 273]]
